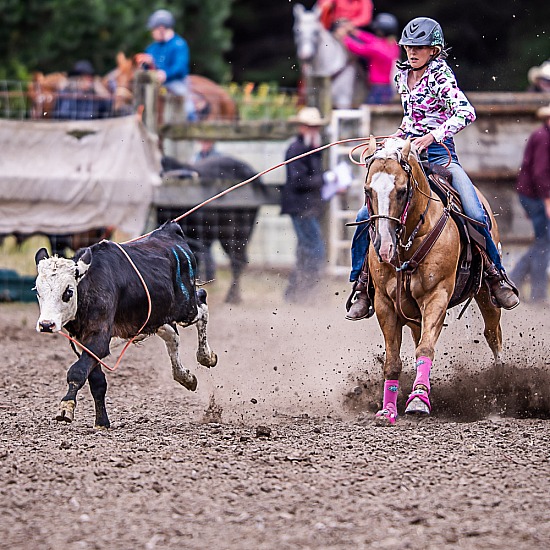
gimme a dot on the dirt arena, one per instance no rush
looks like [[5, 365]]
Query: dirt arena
[[276, 448]]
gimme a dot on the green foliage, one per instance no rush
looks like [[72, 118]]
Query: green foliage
[[50, 35], [264, 101]]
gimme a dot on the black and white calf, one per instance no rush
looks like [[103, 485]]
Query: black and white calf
[[98, 295]]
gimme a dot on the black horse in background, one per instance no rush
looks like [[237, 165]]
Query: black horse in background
[[231, 225]]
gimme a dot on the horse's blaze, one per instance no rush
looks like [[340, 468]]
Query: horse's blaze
[[383, 184]]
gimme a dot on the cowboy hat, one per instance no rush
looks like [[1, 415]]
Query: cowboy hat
[[544, 112], [309, 116], [538, 72]]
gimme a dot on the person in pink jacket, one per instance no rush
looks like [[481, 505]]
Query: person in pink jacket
[[381, 51]]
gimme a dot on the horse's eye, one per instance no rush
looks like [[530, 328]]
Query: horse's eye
[[401, 192], [67, 294], [368, 191]]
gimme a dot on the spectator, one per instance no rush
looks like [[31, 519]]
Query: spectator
[[207, 150], [84, 97], [380, 51], [301, 199], [539, 78], [533, 187], [356, 12], [168, 56]]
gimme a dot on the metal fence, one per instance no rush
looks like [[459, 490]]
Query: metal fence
[[48, 98]]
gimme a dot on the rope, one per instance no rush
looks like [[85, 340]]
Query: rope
[[194, 209], [256, 176], [129, 342]]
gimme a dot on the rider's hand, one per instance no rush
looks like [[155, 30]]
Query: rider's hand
[[144, 59], [161, 76], [423, 142]]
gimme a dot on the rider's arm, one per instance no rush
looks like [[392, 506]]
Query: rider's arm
[[361, 43], [177, 64], [460, 111]]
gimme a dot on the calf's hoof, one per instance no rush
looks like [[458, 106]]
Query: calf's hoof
[[66, 411], [208, 360], [186, 379]]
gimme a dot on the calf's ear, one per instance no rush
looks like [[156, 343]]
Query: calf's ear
[[42, 254], [83, 259]]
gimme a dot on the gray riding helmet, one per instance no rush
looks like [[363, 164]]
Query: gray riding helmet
[[422, 31], [161, 18], [385, 23]]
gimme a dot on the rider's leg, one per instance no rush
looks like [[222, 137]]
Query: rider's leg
[[181, 88], [503, 291], [362, 306]]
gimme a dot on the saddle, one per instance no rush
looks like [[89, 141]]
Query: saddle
[[469, 273]]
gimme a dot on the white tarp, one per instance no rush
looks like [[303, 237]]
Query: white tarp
[[67, 177]]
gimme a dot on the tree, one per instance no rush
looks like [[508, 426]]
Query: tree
[[50, 35]]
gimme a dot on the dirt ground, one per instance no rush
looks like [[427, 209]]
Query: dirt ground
[[276, 449]]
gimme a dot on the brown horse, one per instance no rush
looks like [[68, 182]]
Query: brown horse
[[417, 248], [212, 102], [43, 91]]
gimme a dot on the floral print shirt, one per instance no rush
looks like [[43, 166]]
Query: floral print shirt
[[436, 104]]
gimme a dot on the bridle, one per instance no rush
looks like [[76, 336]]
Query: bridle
[[401, 221]]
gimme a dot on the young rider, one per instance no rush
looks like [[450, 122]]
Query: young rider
[[435, 109]]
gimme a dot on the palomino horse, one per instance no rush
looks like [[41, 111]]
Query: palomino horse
[[212, 102], [321, 54], [417, 248]]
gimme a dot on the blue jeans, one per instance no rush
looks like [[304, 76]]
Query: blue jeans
[[181, 88], [473, 208], [534, 262], [310, 255]]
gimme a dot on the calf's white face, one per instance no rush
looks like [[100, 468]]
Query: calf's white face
[[56, 287]]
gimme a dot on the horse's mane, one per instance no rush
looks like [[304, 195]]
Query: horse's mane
[[393, 148]]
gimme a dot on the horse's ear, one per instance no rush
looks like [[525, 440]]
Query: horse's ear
[[405, 152], [417, 171], [298, 10], [371, 148]]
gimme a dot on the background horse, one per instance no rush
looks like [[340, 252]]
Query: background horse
[[232, 226], [321, 54], [411, 288], [211, 101]]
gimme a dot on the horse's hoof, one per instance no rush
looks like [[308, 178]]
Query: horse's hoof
[[417, 406], [66, 411], [418, 403], [386, 417]]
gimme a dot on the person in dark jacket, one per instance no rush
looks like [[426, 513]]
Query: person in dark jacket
[[84, 97], [533, 187], [301, 199]]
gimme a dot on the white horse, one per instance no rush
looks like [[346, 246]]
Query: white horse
[[321, 54]]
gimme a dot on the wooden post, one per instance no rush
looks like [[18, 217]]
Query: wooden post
[[146, 93]]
